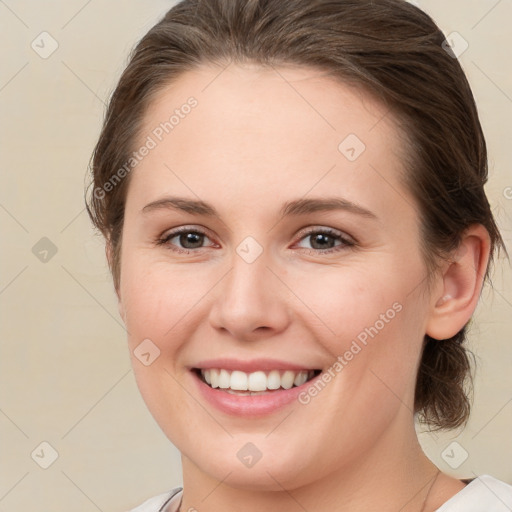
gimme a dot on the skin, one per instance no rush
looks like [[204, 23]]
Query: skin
[[258, 138]]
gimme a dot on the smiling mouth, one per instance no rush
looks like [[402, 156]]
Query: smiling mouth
[[256, 383]]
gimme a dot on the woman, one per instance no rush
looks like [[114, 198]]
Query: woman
[[292, 199]]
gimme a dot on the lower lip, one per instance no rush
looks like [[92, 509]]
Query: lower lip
[[250, 405]]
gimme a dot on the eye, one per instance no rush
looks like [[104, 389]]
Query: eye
[[324, 240], [190, 239]]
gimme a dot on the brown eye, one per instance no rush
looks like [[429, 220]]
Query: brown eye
[[184, 240], [324, 240], [189, 240]]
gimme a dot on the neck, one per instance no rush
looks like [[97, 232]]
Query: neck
[[393, 474]]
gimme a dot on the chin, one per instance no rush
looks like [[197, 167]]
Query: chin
[[270, 473]]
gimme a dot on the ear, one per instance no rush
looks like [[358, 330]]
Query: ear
[[461, 283], [109, 252]]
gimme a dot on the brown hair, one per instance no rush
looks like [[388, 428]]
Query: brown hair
[[390, 49]]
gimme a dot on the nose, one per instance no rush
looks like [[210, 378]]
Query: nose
[[251, 301]]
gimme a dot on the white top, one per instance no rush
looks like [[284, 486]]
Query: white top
[[483, 494]]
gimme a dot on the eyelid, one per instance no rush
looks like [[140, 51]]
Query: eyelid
[[164, 238], [325, 229], [346, 240], [185, 229]]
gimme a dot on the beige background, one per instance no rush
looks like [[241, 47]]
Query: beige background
[[65, 371]]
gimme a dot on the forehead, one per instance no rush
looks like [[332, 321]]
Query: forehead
[[267, 128], [263, 97]]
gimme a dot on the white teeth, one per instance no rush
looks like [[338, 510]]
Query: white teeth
[[214, 376], [287, 379], [274, 380], [257, 381], [300, 379], [224, 379], [238, 381]]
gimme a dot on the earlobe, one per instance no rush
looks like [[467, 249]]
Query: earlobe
[[462, 281]]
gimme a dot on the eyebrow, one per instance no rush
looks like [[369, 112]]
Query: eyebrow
[[290, 208]]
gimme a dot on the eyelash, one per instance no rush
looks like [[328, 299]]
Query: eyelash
[[346, 242]]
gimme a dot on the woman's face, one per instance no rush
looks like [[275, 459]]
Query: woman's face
[[299, 252]]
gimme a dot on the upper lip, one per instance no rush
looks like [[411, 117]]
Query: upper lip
[[251, 366]]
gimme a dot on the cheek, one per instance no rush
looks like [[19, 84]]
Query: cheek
[[158, 306], [157, 298], [369, 318], [171, 408], [345, 299]]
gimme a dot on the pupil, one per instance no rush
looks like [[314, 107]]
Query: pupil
[[319, 238], [191, 238], [196, 239]]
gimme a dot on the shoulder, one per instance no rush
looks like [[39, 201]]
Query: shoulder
[[157, 503], [483, 494]]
